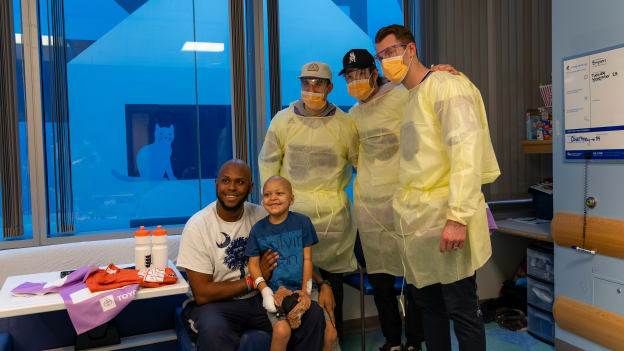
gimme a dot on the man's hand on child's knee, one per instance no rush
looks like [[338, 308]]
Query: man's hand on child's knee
[[327, 302]]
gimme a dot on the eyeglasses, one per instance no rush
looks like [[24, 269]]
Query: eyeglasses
[[390, 51], [362, 73], [313, 82]]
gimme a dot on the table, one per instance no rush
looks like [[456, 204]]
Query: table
[[532, 231], [11, 306]]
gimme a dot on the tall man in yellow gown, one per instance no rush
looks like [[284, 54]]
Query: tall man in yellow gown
[[314, 145], [445, 156]]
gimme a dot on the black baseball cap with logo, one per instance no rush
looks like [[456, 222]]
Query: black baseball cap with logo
[[357, 59]]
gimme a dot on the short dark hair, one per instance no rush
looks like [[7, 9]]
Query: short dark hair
[[402, 33]]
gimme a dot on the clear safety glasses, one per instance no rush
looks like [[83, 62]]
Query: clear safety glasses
[[357, 74], [391, 51], [313, 83]]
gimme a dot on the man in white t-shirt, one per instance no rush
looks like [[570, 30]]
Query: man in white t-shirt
[[212, 251]]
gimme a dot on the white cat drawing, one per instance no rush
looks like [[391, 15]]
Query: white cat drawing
[[154, 160]]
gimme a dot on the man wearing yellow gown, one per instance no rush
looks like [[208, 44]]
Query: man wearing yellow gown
[[377, 116], [439, 211], [314, 145]]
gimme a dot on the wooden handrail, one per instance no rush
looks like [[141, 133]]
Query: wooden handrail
[[590, 322], [604, 235]]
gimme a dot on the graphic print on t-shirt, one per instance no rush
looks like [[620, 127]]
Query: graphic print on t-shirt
[[235, 253], [289, 268], [226, 241]]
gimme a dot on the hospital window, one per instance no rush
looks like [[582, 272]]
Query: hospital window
[[137, 111], [136, 107], [328, 30]]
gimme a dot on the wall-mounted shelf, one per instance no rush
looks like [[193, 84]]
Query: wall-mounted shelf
[[537, 146], [531, 231]]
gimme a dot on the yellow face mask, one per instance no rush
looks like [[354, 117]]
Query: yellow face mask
[[314, 101], [394, 69], [360, 89]]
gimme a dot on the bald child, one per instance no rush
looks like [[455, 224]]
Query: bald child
[[291, 235]]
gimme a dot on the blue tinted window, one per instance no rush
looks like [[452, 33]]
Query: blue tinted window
[[324, 30], [149, 109]]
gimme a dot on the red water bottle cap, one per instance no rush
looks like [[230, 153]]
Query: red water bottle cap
[[142, 232], [159, 231]]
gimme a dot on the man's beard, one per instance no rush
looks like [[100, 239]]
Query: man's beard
[[232, 208]]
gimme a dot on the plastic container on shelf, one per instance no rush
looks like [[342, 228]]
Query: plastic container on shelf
[[542, 194], [142, 251], [533, 123], [159, 248], [540, 264], [541, 295], [541, 324]]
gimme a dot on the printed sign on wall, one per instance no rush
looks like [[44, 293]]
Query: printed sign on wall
[[594, 105]]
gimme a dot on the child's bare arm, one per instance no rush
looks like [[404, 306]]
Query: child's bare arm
[[255, 272], [307, 268]]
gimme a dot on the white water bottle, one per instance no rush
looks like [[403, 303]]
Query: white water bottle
[[159, 248], [142, 252]]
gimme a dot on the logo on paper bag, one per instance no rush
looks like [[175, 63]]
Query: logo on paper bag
[[107, 303]]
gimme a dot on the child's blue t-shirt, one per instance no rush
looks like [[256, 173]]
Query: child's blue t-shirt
[[288, 239]]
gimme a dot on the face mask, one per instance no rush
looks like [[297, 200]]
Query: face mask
[[314, 101], [394, 69], [360, 89]]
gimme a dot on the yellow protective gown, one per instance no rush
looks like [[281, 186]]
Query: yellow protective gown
[[378, 122], [314, 153], [446, 155]]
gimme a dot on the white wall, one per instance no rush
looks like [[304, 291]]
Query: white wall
[[72, 256]]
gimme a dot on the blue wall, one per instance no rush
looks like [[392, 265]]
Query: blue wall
[[579, 26]]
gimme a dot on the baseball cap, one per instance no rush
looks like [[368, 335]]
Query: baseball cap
[[357, 58], [315, 70]]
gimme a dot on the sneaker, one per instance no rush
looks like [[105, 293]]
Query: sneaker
[[388, 347]]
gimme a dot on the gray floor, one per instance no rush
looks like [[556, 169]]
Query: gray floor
[[497, 339]]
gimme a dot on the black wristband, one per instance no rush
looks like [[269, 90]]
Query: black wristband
[[323, 282]]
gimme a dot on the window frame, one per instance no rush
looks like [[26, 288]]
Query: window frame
[[256, 108], [30, 77], [36, 152]]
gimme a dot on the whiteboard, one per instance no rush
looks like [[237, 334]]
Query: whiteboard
[[593, 105]]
